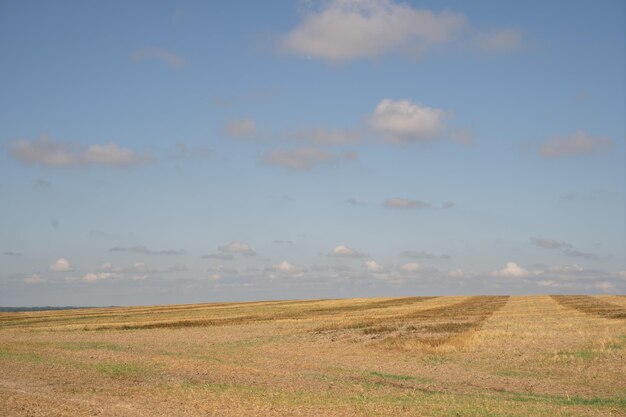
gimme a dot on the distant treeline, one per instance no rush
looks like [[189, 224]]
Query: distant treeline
[[17, 309]]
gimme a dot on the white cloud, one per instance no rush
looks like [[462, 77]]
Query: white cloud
[[404, 203], [46, 152], [456, 273], [499, 40], [580, 143], [374, 267], [300, 159], [286, 268], [240, 129], [604, 286], [61, 265], [344, 30], [403, 121], [622, 274], [342, 251], [411, 267], [158, 54], [98, 276], [34, 279], [237, 248], [214, 277], [511, 270]]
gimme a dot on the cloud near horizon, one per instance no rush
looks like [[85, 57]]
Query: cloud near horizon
[[511, 270], [237, 248], [145, 251], [405, 203], [342, 251], [60, 265]]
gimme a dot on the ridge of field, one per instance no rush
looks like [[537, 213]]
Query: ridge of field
[[410, 356]]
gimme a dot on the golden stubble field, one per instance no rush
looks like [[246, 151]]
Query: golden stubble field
[[413, 356]]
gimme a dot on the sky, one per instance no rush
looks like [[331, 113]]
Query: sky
[[156, 152]]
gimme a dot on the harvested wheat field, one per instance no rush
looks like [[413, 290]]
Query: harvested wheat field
[[413, 356]]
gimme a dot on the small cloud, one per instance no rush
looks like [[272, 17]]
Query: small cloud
[[582, 97], [34, 279], [355, 202], [567, 248], [100, 276], [456, 273], [241, 129], [220, 256], [580, 143], [404, 203], [375, 267], [351, 155], [9, 253], [300, 159], [142, 250], [604, 286], [237, 248], [502, 40], [320, 136], [112, 155], [549, 243], [60, 154], [511, 270], [42, 184], [342, 251], [283, 242], [580, 254], [410, 268], [185, 151], [214, 277], [448, 205], [622, 274], [61, 265], [158, 54], [462, 136], [286, 268], [402, 121], [423, 255]]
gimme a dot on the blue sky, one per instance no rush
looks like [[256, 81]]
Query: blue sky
[[171, 151]]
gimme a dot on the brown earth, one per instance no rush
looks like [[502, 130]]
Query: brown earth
[[412, 356]]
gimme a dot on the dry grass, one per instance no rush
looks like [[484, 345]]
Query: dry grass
[[591, 305], [412, 356]]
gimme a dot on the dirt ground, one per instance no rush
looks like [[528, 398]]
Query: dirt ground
[[413, 356]]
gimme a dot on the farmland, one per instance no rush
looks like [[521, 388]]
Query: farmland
[[411, 356]]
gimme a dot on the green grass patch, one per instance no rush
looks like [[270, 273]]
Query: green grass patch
[[7, 354], [92, 346], [509, 373], [400, 377], [619, 402], [121, 369]]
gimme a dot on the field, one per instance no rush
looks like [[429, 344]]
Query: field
[[413, 356]]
